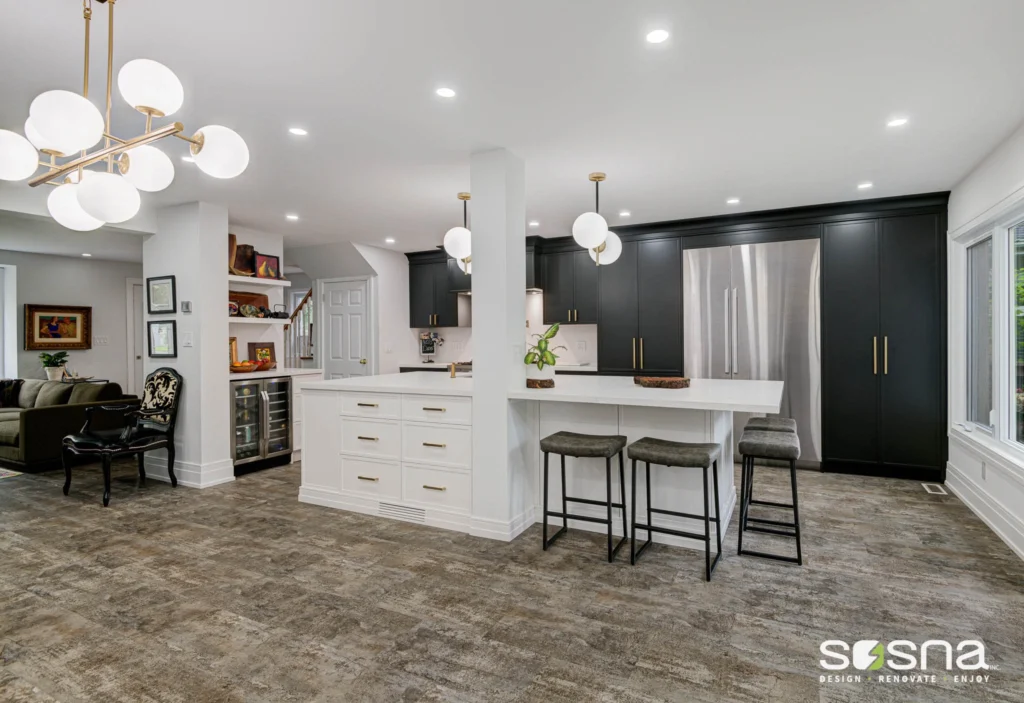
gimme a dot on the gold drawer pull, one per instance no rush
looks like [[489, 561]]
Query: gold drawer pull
[[370, 439], [435, 410], [434, 444], [367, 405], [435, 488], [368, 478]]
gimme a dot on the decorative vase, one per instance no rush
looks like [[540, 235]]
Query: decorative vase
[[540, 378], [54, 373]]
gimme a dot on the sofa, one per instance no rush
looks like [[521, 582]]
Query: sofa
[[32, 433]]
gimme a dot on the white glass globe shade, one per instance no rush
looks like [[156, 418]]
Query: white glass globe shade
[[39, 141], [224, 153], [145, 83], [18, 158], [109, 197], [63, 206], [149, 169], [458, 243], [67, 118], [589, 230], [612, 250]]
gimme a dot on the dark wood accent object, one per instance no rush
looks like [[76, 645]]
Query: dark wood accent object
[[244, 298], [661, 382], [540, 383]]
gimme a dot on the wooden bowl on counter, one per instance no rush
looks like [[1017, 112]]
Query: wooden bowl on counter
[[244, 367], [661, 381]]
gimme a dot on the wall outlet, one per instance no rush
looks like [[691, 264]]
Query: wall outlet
[[186, 339], [388, 349], [459, 346], [581, 346], [101, 341]]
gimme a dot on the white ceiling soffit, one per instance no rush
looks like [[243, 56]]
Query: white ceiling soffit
[[329, 260], [779, 103], [42, 235]]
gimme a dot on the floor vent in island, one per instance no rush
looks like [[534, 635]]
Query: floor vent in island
[[401, 512]]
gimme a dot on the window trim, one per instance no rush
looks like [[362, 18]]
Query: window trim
[[987, 429]]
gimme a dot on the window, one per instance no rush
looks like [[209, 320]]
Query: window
[[979, 330], [1017, 334]]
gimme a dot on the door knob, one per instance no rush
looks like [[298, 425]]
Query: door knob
[[362, 361]]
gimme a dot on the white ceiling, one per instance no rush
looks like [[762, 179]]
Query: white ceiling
[[780, 103]]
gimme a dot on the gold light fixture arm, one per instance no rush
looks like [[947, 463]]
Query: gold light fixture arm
[[197, 141], [110, 73], [87, 14]]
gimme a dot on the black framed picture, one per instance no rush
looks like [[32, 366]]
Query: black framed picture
[[163, 339], [161, 295]]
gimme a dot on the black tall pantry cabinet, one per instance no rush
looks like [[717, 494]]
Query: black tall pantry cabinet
[[883, 346]]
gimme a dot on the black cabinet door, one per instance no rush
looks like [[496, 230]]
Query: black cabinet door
[[911, 360], [558, 288], [659, 263], [618, 291], [421, 295], [446, 303], [851, 342], [584, 305], [457, 280], [531, 270]]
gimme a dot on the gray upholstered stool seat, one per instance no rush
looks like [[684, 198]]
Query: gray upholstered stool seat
[[666, 453], [772, 424], [583, 445], [770, 445]]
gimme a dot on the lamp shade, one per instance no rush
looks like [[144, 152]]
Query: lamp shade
[[41, 142], [149, 169], [224, 153], [66, 118], [612, 250], [145, 83], [108, 197], [458, 242], [18, 158], [589, 230], [64, 207]]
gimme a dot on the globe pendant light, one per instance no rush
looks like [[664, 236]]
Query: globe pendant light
[[458, 240], [108, 197], [64, 207], [150, 87], [609, 251], [590, 229], [147, 168], [67, 118], [44, 144], [220, 152], [18, 159]]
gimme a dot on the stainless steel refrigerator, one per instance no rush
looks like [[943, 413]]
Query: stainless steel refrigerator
[[261, 419], [753, 311]]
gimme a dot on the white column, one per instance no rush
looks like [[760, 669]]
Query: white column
[[190, 244], [502, 507]]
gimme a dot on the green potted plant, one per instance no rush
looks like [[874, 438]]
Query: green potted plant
[[54, 364], [540, 360]]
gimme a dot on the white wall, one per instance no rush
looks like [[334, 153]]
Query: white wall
[[396, 346], [63, 280], [991, 186]]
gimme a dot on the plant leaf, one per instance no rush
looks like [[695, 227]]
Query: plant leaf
[[548, 358], [552, 331], [531, 358]]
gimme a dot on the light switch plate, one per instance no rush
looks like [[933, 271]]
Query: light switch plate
[[581, 346], [186, 339], [186, 306]]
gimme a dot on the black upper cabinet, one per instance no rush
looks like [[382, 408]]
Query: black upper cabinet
[[458, 282], [446, 303], [570, 288], [584, 307], [617, 326], [431, 301]]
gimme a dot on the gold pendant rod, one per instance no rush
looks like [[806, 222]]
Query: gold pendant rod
[[110, 72], [87, 13], [108, 153], [116, 139]]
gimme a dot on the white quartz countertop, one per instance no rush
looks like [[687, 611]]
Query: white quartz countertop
[[703, 394], [276, 373], [415, 382]]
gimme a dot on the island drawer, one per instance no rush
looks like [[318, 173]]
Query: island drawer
[[447, 445], [451, 490], [455, 410], [378, 405], [377, 438], [372, 477]]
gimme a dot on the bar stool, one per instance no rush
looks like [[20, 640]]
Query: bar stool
[[590, 446], [783, 446], [771, 424], [680, 454]]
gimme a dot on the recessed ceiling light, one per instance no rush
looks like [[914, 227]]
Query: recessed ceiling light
[[897, 122], [188, 159], [865, 185], [624, 213], [293, 218], [86, 255], [657, 36], [732, 201], [298, 131], [389, 240], [445, 92], [534, 223]]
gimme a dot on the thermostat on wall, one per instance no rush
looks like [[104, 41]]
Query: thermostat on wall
[[186, 306]]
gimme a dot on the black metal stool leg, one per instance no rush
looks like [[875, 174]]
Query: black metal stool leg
[[565, 501], [632, 533], [622, 492], [707, 529], [608, 487], [544, 506], [718, 508], [796, 512], [743, 505]]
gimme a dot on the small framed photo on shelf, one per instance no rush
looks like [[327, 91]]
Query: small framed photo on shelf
[[163, 339], [161, 295], [262, 351], [268, 266], [233, 344]]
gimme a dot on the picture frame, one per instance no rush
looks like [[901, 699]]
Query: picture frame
[[262, 351], [161, 295], [57, 327], [163, 339], [268, 266], [233, 349]]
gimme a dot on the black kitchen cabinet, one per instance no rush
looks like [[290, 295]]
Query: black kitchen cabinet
[[585, 274], [570, 288], [431, 302], [640, 323], [883, 351], [458, 282], [446, 302]]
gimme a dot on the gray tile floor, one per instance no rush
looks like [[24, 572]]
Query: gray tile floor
[[240, 593]]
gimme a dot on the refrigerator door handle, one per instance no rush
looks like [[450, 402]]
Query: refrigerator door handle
[[727, 318], [264, 422], [735, 314]]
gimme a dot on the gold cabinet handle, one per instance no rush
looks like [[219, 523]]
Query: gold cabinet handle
[[368, 478], [641, 353], [874, 355], [435, 410], [370, 439], [885, 356], [575, 315], [634, 352], [435, 488], [569, 319], [434, 444], [367, 405]]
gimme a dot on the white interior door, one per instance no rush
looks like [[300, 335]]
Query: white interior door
[[346, 322]]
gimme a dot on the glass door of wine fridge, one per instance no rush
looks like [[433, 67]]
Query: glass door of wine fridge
[[277, 393], [247, 421]]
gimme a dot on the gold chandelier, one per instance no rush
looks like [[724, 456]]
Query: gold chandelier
[[62, 123]]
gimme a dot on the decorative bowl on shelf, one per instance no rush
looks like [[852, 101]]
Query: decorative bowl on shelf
[[244, 366], [266, 365]]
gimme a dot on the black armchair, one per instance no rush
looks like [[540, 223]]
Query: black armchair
[[149, 426]]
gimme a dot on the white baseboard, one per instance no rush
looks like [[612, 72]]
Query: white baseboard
[[191, 474], [1009, 527], [502, 530]]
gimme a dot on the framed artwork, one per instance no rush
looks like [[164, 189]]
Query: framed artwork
[[268, 266], [262, 351], [54, 327], [162, 296], [233, 346], [163, 339]]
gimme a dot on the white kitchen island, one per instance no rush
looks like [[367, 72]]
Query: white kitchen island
[[400, 445]]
